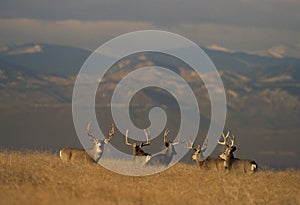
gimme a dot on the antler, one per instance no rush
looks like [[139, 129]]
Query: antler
[[178, 142], [147, 134], [225, 142], [88, 129], [232, 141], [224, 139], [126, 138], [166, 133], [94, 139], [89, 132], [192, 146], [110, 134]]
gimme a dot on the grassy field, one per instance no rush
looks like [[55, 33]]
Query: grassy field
[[41, 178]]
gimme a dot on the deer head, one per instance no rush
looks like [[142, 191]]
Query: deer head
[[197, 150], [169, 144], [227, 155], [230, 146]]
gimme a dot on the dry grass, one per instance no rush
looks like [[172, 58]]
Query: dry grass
[[41, 178]]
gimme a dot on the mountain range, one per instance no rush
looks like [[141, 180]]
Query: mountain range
[[262, 92]]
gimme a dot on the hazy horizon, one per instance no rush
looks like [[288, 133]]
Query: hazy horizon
[[262, 27]]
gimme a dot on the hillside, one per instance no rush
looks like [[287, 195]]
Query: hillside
[[41, 178]]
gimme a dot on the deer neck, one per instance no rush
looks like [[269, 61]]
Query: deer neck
[[170, 151], [195, 157]]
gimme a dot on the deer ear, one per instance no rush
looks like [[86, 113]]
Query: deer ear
[[222, 156]]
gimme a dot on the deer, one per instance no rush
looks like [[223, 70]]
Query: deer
[[138, 148], [227, 155], [165, 158], [209, 163], [232, 163], [90, 155]]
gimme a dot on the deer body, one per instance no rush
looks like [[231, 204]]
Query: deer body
[[243, 165], [210, 163], [75, 155]]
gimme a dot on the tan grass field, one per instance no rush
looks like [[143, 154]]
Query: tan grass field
[[41, 178]]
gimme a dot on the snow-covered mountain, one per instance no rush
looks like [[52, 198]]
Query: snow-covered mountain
[[277, 51]]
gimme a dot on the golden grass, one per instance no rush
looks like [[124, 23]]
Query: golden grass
[[41, 178]]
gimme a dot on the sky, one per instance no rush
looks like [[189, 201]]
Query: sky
[[254, 26]]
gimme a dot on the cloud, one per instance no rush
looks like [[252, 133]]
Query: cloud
[[254, 13], [232, 24], [82, 34], [92, 34]]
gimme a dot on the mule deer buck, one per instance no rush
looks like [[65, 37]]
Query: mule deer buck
[[90, 155], [232, 163], [165, 158], [209, 163], [138, 148]]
